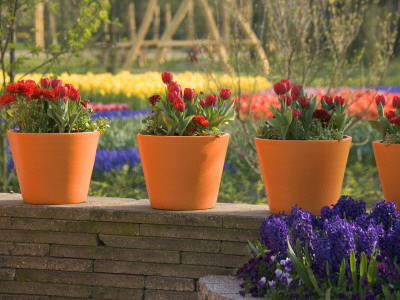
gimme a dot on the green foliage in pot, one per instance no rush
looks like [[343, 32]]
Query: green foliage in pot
[[183, 113], [388, 123], [49, 108], [299, 119]]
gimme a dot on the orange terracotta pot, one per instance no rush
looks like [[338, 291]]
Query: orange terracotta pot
[[54, 168], [387, 161], [307, 173], [182, 172]]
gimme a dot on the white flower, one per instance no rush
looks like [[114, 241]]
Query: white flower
[[271, 282], [278, 272]]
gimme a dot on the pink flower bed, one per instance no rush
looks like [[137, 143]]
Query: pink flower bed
[[98, 106]]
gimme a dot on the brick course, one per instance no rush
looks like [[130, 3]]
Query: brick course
[[111, 248]]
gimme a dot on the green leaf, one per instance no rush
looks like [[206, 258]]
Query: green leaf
[[363, 268], [298, 250], [314, 281], [274, 123], [185, 124], [251, 247], [289, 116], [353, 270], [228, 107], [298, 265], [386, 293], [341, 121], [216, 121], [372, 270], [328, 294], [327, 273], [308, 256], [342, 272], [378, 126]]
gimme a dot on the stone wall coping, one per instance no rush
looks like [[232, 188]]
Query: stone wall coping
[[219, 287], [129, 210]]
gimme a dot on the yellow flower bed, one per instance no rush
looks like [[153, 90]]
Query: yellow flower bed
[[146, 84]]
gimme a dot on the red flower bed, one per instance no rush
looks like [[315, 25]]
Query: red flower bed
[[360, 102]]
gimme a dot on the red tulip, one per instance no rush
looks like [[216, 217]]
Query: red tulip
[[174, 86], [171, 95], [304, 103], [288, 99], [328, 100], [179, 104], [211, 100], [396, 102], [339, 100], [380, 99], [202, 103], [56, 82], [390, 114], [188, 94], [45, 83], [280, 88], [322, 115], [167, 77], [63, 92], [225, 94], [296, 89], [395, 120], [296, 114], [287, 83], [74, 95]]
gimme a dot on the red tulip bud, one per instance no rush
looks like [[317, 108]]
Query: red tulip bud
[[380, 99], [288, 100], [56, 82], [171, 95], [211, 100], [179, 104], [167, 77], [390, 114], [296, 114], [339, 100], [304, 103], [328, 100], [63, 92], [225, 94], [396, 102], [202, 103], [188, 94], [296, 89], [45, 83]]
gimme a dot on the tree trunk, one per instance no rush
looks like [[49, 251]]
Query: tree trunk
[[39, 24]]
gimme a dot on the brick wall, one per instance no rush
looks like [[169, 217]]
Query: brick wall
[[110, 248]]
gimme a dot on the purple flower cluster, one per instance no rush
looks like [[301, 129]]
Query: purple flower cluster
[[114, 159], [331, 237], [338, 230], [121, 114]]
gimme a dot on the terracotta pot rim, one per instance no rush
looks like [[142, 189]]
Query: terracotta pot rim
[[382, 142], [52, 133], [185, 136], [345, 137]]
